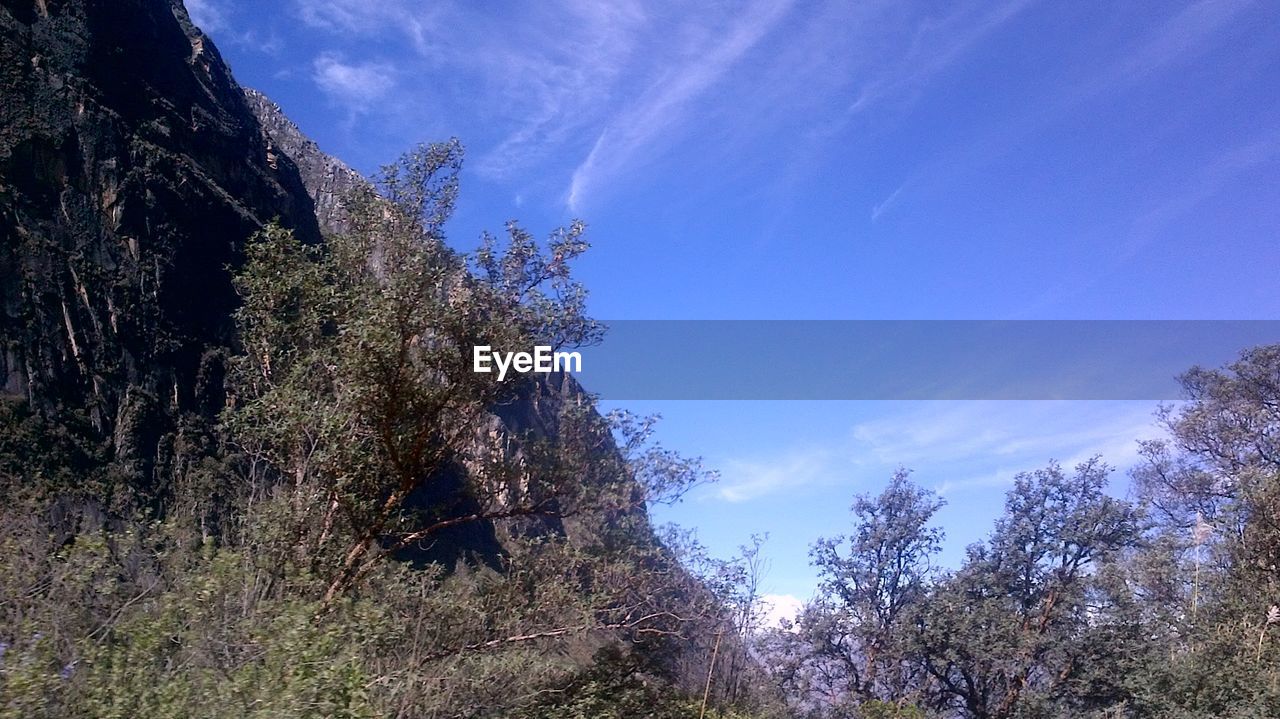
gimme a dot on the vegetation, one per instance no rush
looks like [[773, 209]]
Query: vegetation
[[1078, 604], [374, 530]]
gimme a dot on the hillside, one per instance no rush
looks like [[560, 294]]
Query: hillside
[[132, 171], [146, 202], [135, 169]]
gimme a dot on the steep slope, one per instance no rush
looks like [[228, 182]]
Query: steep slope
[[326, 178], [131, 173], [132, 170]]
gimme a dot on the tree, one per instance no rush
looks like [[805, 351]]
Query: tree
[[1213, 489], [728, 594], [356, 394], [357, 434], [1216, 482], [1010, 633], [850, 644]]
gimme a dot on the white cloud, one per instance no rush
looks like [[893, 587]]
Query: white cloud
[[1184, 36], [955, 445], [267, 43], [1224, 169], [936, 46], [356, 86], [555, 93], [616, 84], [662, 106], [743, 480], [1000, 428], [887, 203], [345, 15], [222, 17], [542, 74], [613, 85], [777, 607], [364, 18], [957, 442]]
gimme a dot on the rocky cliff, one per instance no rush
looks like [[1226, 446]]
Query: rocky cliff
[[327, 179], [132, 170]]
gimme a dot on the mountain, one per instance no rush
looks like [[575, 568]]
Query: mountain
[[132, 170], [326, 179]]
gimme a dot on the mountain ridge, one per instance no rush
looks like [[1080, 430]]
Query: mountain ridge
[[326, 178], [130, 179], [129, 184]]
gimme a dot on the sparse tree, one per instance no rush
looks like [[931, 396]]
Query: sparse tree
[[850, 645], [1008, 634]]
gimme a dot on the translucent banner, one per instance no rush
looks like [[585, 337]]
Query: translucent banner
[[895, 360]]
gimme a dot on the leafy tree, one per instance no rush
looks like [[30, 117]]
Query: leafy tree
[[1009, 633], [727, 592], [357, 434], [1214, 492], [356, 394], [850, 645]]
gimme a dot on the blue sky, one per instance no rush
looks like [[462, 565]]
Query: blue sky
[[868, 160]]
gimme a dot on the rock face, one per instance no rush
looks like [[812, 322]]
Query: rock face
[[132, 170], [327, 179]]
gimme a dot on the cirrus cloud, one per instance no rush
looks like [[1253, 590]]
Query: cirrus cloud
[[355, 87]]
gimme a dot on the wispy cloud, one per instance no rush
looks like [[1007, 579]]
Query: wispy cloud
[[364, 18], [886, 204], [954, 446], [937, 46], [565, 98], [224, 19], [1221, 171], [353, 86], [618, 84], [1178, 39], [746, 479], [661, 108], [1181, 38], [542, 75], [561, 91], [879, 73], [267, 42], [956, 443], [1152, 222]]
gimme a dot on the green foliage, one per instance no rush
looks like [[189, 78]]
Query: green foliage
[[356, 434], [1079, 604], [51, 458], [191, 654], [1213, 491], [356, 396], [854, 642], [288, 571], [616, 687], [1009, 634]]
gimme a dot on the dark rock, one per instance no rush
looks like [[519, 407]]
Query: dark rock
[[328, 180], [132, 170]]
